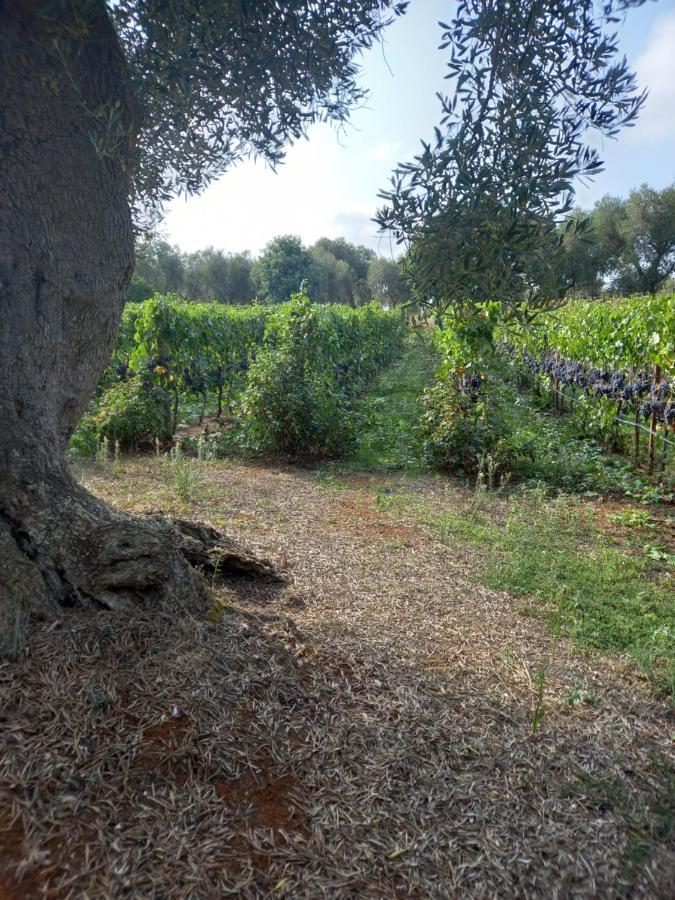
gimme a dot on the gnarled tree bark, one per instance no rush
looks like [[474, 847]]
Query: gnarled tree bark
[[66, 258]]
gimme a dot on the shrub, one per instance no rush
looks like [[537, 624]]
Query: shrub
[[292, 403], [468, 431], [133, 412]]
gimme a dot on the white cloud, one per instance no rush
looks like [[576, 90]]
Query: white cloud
[[656, 71], [321, 189], [250, 204]]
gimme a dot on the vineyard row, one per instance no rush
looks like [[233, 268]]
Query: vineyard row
[[290, 370]]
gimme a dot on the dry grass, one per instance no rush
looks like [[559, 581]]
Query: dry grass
[[363, 731]]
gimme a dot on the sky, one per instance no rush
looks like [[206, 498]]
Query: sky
[[329, 182]]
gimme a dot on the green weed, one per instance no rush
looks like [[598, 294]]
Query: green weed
[[103, 452], [471, 524], [185, 474], [553, 554], [579, 694], [633, 518]]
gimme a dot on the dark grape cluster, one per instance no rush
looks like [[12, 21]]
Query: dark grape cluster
[[470, 386], [160, 362], [342, 371], [195, 380], [650, 398]]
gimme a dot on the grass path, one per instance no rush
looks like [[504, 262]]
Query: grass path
[[389, 412]]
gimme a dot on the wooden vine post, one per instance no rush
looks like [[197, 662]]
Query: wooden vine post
[[556, 386], [616, 434], [637, 431], [664, 454], [651, 450]]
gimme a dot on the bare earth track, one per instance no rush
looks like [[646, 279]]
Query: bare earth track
[[363, 730]]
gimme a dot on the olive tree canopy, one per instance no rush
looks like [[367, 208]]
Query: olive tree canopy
[[215, 80], [479, 207]]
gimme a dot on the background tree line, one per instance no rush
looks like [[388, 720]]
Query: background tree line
[[626, 247], [332, 269]]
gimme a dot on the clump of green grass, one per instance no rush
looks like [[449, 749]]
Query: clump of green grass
[[553, 554], [579, 694], [185, 474], [633, 518]]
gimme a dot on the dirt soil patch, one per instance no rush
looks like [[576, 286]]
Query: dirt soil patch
[[365, 730]]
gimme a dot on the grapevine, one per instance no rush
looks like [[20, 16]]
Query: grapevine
[[170, 351]]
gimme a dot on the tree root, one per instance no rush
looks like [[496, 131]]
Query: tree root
[[80, 553], [207, 549]]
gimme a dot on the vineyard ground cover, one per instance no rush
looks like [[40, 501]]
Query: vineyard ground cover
[[556, 451], [453, 672], [408, 666], [607, 592]]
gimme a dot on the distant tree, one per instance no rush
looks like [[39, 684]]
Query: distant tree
[[335, 270], [140, 289], [107, 106], [357, 258], [334, 279], [628, 245], [584, 255], [282, 267], [644, 235], [160, 264], [241, 287], [194, 282], [605, 230], [386, 283], [213, 275], [205, 275]]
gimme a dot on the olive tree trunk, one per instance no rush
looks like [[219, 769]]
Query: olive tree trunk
[[66, 258]]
